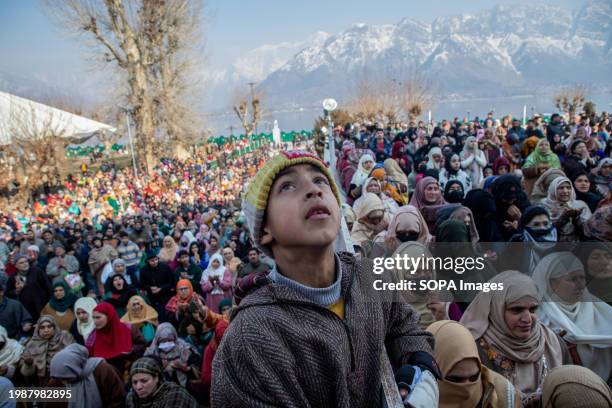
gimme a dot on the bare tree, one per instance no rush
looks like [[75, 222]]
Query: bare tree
[[248, 108], [149, 43], [34, 156], [416, 95], [570, 99], [375, 101]]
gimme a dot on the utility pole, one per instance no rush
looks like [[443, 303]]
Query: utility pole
[[252, 85]]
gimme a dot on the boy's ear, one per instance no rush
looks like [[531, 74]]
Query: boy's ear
[[266, 236]]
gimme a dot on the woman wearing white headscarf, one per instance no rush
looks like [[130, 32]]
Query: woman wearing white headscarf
[[83, 325], [510, 339], [366, 163], [568, 307], [10, 353], [371, 219], [567, 214], [93, 382], [372, 185], [216, 282], [473, 160], [434, 158]]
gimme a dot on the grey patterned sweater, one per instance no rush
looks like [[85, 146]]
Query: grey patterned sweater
[[283, 350]]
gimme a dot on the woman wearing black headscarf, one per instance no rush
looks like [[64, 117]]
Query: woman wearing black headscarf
[[585, 189], [483, 208], [453, 191], [510, 202], [537, 231]]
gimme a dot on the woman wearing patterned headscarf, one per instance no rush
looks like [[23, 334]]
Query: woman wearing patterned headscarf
[[48, 340], [511, 340], [149, 389]]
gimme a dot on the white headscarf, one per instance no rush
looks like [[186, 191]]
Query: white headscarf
[[431, 163], [87, 304], [361, 174], [217, 272], [12, 350], [587, 321]]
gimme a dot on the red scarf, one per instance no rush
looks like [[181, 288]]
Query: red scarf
[[113, 339]]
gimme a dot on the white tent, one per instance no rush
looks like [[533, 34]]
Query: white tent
[[20, 113]]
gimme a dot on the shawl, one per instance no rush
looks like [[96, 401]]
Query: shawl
[[484, 318], [168, 252], [408, 218], [572, 386], [65, 303], [431, 164], [599, 226], [364, 231], [216, 272], [181, 351], [73, 364], [454, 343], [88, 305], [460, 213], [147, 314], [395, 173], [587, 322], [380, 175], [540, 188], [556, 207], [112, 340], [12, 350], [176, 300], [427, 209], [537, 158], [167, 395], [418, 198], [361, 174], [41, 350]]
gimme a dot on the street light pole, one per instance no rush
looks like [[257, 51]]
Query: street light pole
[[127, 120]]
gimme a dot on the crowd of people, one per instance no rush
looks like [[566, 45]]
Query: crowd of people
[[122, 287], [536, 201]]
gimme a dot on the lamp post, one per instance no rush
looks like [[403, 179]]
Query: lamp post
[[127, 120], [329, 105]]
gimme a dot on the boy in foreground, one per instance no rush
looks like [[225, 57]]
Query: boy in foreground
[[309, 337]]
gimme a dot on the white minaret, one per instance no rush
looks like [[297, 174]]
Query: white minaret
[[276, 133]]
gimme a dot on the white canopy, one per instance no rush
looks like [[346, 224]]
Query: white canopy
[[20, 115]]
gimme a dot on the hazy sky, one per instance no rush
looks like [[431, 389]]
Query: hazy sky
[[30, 46]]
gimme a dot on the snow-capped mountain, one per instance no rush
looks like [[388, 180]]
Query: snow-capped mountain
[[256, 65], [501, 50]]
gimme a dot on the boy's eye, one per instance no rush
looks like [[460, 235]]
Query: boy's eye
[[286, 186], [321, 180]]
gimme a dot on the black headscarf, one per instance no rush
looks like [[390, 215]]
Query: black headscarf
[[453, 196], [505, 188], [482, 205], [591, 197]]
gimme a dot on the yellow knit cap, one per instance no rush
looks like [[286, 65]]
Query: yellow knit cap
[[255, 200]]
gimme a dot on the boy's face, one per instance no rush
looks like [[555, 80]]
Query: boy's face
[[302, 210]]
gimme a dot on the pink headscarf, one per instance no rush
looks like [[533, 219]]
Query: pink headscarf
[[408, 218]]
